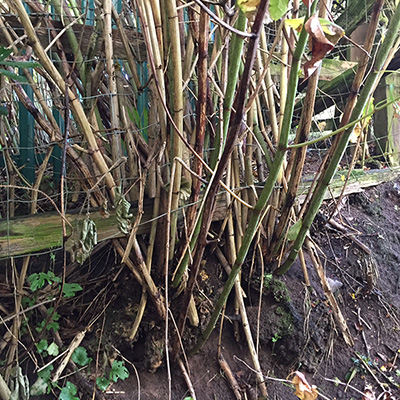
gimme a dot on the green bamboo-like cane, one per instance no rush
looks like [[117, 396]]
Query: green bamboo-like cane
[[235, 54], [74, 43], [268, 188], [321, 188]]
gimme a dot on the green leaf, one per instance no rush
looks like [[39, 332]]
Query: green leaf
[[294, 231], [46, 372], [80, 356], [70, 289], [37, 281], [52, 277], [42, 346], [20, 64], [68, 392], [4, 53], [53, 325], [278, 8], [102, 383], [39, 388], [53, 349], [13, 76], [118, 371]]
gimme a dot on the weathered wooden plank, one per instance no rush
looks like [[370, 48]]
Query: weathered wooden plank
[[82, 32], [32, 234]]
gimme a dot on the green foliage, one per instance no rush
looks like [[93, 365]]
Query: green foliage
[[53, 324], [42, 384], [42, 346], [275, 338], [68, 392], [102, 383], [80, 356], [141, 121], [4, 53], [70, 289], [53, 350], [277, 8], [37, 281], [118, 371], [277, 288]]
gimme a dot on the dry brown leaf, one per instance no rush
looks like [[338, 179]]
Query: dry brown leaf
[[304, 391], [368, 393], [320, 46]]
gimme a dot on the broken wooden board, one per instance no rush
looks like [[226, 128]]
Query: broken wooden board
[[36, 233]]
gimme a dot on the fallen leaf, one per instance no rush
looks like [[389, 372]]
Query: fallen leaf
[[368, 393], [304, 391]]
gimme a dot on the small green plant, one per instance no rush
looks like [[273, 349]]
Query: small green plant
[[44, 384], [80, 357], [275, 338], [38, 280], [118, 371], [68, 392]]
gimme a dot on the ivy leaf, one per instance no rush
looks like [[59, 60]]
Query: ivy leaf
[[53, 325], [70, 289], [45, 373], [102, 383], [278, 8], [42, 346], [53, 349], [68, 392], [118, 371], [37, 281], [80, 356]]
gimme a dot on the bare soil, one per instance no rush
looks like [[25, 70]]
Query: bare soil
[[294, 328], [297, 333]]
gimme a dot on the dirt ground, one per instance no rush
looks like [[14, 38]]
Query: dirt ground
[[300, 333], [294, 329]]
